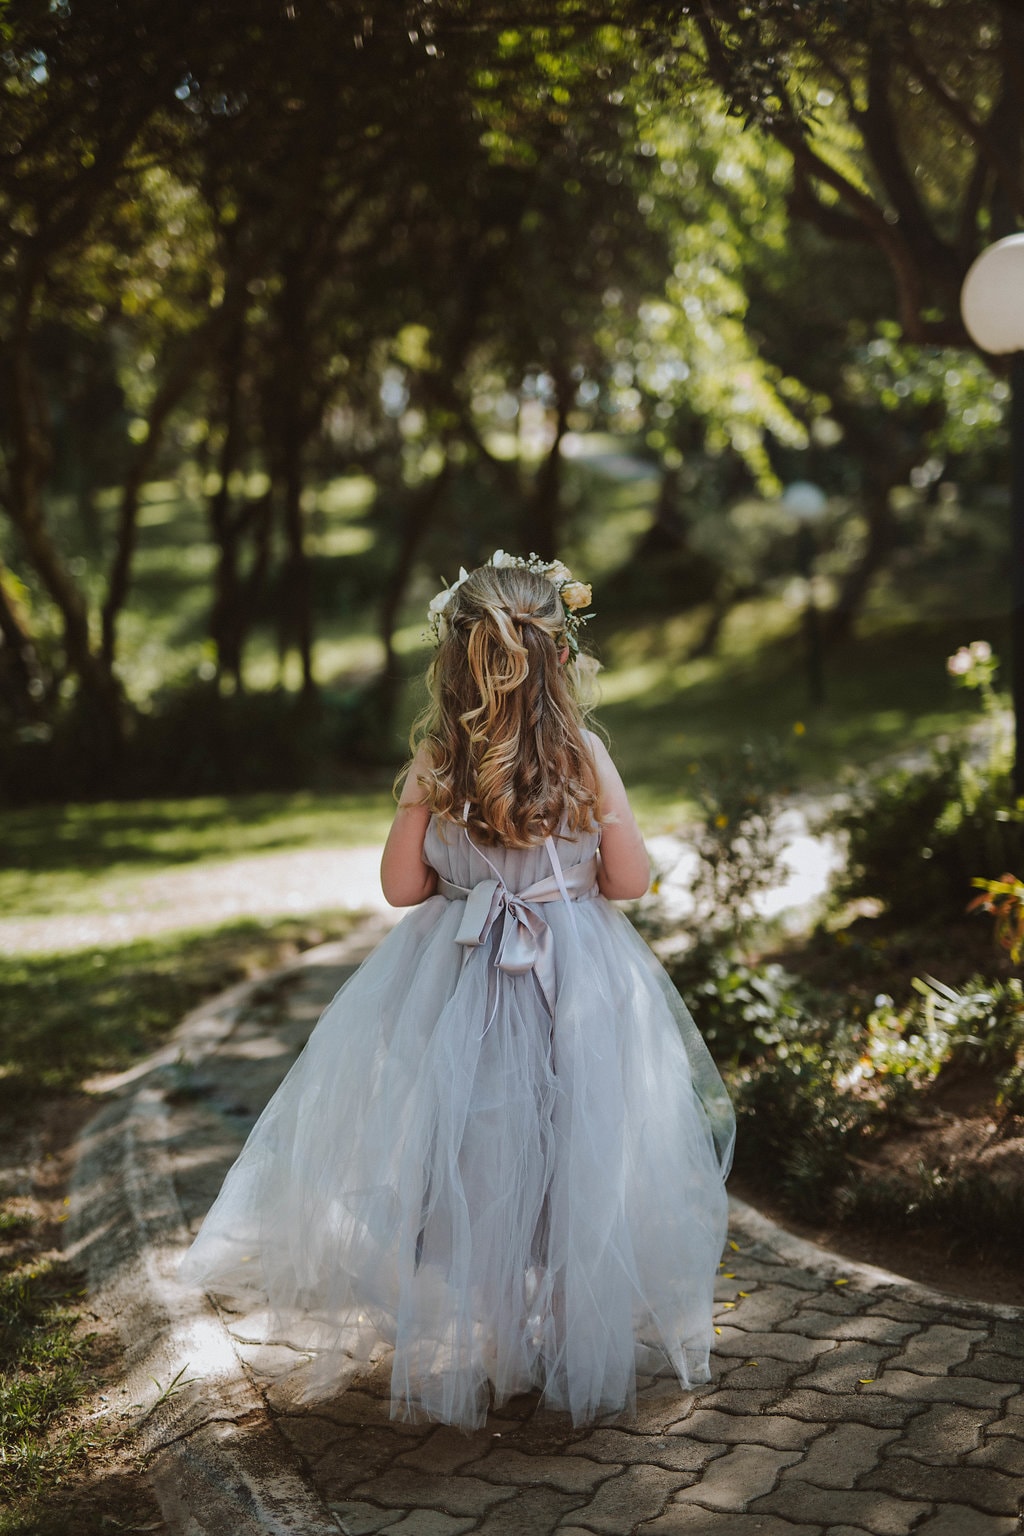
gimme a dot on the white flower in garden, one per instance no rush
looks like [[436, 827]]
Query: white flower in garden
[[961, 663], [980, 651]]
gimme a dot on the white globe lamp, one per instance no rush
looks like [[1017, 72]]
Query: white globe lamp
[[992, 306]]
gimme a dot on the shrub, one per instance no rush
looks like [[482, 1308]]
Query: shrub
[[740, 1009], [737, 839], [917, 837], [194, 741]]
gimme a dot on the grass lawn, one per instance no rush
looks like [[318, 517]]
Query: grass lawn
[[62, 1018], [887, 693], [67, 1016], [67, 859]]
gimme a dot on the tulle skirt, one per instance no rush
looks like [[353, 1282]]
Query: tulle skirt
[[509, 1201]]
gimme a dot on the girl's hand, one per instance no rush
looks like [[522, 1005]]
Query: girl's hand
[[405, 878], [624, 872]]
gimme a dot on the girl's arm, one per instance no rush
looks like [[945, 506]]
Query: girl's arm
[[405, 878], [624, 872]]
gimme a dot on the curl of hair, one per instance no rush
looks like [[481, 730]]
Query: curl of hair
[[504, 728]]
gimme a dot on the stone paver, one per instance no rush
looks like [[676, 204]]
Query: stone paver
[[846, 1366], [842, 1403], [871, 1511], [639, 1493], [692, 1520], [840, 1457], [849, 1407], [961, 1520], [773, 1430], [937, 1349], [943, 1434], [1004, 1453], [679, 1453], [984, 1488], [911, 1386], [731, 1482], [813, 1324]]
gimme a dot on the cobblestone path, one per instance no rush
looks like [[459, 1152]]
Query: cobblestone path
[[842, 1403], [834, 1408]]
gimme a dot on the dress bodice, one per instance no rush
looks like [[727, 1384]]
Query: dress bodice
[[448, 850]]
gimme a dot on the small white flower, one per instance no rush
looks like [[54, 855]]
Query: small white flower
[[980, 650], [438, 606], [960, 664], [500, 559]]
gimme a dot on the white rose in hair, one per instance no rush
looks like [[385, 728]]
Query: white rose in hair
[[576, 594]]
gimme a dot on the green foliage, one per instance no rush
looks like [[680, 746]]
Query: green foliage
[[43, 1354], [737, 840], [905, 1049], [815, 1090], [917, 837], [740, 1009], [973, 1215]]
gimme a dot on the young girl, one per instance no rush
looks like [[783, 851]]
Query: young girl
[[503, 1149]]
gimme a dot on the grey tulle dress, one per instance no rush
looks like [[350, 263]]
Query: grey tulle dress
[[501, 1156]]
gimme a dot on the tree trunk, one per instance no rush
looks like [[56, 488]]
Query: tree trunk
[[30, 461], [180, 376], [224, 627], [298, 584], [840, 620], [420, 511], [19, 659], [541, 527]]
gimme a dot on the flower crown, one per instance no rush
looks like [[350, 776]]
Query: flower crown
[[575, 595]]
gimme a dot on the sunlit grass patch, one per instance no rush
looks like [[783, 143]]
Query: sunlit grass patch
[[65, 1017], [75, 858], [43, 1359]]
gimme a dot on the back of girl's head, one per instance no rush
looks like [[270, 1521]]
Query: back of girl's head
[[504, 728]]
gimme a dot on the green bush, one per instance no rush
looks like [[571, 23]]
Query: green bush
[[917, 837], [194, 741], [740, 1009], [812, 1088]]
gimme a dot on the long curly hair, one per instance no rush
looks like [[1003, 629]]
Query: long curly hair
[[504, 728]]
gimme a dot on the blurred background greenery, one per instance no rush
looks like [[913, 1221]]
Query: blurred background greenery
[[301, 312], [302, 307]]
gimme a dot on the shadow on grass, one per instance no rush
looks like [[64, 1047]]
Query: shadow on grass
[[65, 1017], [885, 693], [90, 837]]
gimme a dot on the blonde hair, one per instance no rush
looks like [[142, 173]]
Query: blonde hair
[[504, 728]]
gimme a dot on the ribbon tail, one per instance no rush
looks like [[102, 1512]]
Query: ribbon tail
[[482, 906], [527, 945]]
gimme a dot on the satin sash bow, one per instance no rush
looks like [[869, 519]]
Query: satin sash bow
[[526, 942]]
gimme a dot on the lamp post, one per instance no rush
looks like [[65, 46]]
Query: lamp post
[[807, 502], [992, 305]]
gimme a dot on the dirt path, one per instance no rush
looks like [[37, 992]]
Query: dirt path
[[294, 882], [205, 895]]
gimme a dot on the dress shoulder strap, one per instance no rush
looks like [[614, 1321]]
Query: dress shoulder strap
[[556, 870]]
